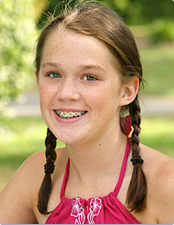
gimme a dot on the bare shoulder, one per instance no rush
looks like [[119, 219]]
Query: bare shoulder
[[156, 163], [19, 194], [159, 171], [25, 172], [16, 197]]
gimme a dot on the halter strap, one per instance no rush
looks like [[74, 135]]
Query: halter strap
[[123, 169], [62, 192]]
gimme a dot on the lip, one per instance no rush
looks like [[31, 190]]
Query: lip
[[71, 120], [69, 110]]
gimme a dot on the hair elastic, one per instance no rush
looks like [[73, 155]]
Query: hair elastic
[[49, 168], [137, 159]]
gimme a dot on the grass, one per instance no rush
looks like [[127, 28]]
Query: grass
[[158, 133], [158, 68], [20, 137]]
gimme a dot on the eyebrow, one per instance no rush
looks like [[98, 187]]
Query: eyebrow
[[50, 64], [90, 66]]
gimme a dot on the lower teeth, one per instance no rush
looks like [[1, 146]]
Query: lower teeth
[[67, 118]]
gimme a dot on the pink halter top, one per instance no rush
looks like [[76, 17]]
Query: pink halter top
[[101, 210]]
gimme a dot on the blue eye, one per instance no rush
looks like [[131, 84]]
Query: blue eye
[[54, 75], [90, 77]]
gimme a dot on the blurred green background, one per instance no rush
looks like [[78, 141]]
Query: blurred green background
[[152, 23]]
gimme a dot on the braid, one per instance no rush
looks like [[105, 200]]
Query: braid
[[44, 193], [136, 196]]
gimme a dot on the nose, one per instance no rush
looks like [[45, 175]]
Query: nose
[[68, 90]]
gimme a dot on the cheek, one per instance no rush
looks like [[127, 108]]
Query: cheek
[[46, 94], [105, 100]]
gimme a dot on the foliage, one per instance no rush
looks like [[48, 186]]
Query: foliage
[[18, 35], [139, 12], [132, 11], [162, 30], [39, 8], [53, 8]]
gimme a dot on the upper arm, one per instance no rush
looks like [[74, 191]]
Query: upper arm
[[16, 198]]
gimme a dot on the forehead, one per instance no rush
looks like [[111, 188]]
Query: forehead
[[64, 44]]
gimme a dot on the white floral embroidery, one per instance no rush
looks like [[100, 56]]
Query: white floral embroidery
[[94, 210], [78, 210]]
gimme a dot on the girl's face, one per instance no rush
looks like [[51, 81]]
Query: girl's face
[[80, 89]]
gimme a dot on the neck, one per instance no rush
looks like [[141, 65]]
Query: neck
[[99, 159]]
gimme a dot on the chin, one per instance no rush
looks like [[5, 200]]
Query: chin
[[68, 140]]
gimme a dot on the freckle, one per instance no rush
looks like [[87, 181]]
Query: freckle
[[99, 144]]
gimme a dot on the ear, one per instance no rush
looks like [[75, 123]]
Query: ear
[[37, 79], [129, 91]]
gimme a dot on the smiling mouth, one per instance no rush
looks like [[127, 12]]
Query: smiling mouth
[[70, 115]]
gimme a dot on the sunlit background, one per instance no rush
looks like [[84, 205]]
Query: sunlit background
[[22, 133]]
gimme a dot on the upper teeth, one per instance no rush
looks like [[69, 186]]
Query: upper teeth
[[69, 114]]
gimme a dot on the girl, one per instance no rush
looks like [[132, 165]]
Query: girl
[[88, 74]]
